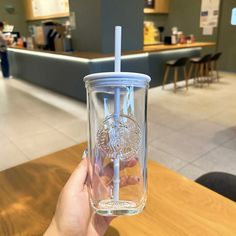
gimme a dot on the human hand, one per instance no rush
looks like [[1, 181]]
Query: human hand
[[74, 216]]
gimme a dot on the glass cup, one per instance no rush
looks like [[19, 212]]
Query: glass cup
[[117, 145]]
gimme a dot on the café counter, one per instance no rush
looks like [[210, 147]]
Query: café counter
[[64, 72]]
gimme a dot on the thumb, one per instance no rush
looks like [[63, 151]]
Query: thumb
[[78, 177]]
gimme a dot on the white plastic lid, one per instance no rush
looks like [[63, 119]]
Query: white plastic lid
[[117, 78]]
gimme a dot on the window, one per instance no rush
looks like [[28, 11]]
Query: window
[[233, 17]]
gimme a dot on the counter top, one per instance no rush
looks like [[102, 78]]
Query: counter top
[[96, 55], [64, 72], [162, 47]]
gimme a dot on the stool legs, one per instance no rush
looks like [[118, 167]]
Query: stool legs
[[211, 68], [207, 74], [190, 71], [175, 77], [166, 73], [196, 74], [186, 77], [216, 70], [201, 73], [165, 76]]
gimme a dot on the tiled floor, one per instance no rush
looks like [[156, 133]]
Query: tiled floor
[[35, 122], [191, 132]]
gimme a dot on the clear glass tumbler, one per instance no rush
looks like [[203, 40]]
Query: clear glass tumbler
[[117, 145]]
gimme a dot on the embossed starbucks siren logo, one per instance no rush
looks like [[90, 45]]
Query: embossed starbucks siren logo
[[119, 137]]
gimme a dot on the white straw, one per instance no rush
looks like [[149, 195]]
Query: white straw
[[117, 48], [116, 179]]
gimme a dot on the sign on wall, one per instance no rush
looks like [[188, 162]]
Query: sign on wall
[[209, 13], [52, 7]]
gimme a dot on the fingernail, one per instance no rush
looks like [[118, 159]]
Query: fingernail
[[85, 154]]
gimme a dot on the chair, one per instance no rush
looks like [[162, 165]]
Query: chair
[[202, 67], [220, 182], [213, 64], [181, 62]]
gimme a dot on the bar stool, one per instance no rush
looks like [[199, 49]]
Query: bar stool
[[213, 64], [181, 62], [202, 67]]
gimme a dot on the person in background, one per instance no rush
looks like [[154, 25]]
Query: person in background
[[3, 53]]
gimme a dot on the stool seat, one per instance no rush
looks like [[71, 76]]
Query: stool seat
[[171, 63], [181, 62], [195, 59], [216, 56]]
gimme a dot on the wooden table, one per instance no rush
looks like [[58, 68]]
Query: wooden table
[[176, 205]]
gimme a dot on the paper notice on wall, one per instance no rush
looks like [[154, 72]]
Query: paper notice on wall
[[207, 30], [209, 13], [52, 7]]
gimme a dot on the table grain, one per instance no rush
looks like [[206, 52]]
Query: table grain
[[176, 206]]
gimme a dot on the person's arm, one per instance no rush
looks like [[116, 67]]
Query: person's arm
[[2, 37], [7, 39]]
